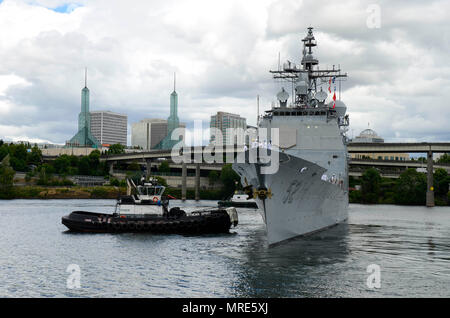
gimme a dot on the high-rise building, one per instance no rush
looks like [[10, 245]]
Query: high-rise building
[[148, 133], [223, 121], [84, 138], [109, 128]]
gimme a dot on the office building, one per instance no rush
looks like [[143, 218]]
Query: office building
[[223, 121], [109, 128], [147, 133]]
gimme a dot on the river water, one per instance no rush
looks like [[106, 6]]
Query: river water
[[411, 246]]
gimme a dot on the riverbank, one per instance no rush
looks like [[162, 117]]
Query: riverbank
[[43, 192], [99, 192]]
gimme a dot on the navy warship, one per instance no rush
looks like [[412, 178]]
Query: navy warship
[[309, 190]]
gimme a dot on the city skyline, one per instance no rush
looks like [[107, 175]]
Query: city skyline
[[397, 73]]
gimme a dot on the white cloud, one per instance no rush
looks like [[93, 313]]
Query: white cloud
[[222, 52]]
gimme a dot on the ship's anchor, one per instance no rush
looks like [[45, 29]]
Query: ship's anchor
[[263, 193]]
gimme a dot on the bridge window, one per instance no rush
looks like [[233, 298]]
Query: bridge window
[[379, 158], [392, 158]]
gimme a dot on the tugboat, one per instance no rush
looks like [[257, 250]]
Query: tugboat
[[146, 210], [239, 200]]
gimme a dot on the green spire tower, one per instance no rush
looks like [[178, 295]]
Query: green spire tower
[[84, 138], [172, 122]]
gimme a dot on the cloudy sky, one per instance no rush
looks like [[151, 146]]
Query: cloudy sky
[[221, 51]]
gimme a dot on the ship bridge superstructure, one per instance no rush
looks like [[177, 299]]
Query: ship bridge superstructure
[[307, 82]]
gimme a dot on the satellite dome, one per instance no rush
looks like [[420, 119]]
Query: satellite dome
[[340, 107], [321, 96], [368, 133], [283, 95]]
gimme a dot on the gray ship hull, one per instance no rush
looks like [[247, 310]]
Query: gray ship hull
[[301, 202]]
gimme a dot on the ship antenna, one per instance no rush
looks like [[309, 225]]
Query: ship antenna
[[279, 66], [339, 66], [257, 110]]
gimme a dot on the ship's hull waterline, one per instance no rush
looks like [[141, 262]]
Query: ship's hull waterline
[[301, 202]]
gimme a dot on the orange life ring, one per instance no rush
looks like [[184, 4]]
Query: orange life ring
[[155, 199]]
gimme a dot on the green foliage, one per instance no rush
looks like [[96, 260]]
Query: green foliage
[[161, 181], [354, 196], [116, 149], [445, 158], [114, 182], [43, 176], [6, 179], [441, 181], [99, 192], [164, 167], [4, 150], [18, 164], [213, 177], [21, 155], [62, 164], [410, 188], [84, 166], [352, 181], [134, 166], [230, 180], [370, 186], [35, 156], [28, 176]]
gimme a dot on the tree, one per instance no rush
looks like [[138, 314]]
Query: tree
[[134, 166], [94, 162], [229, 179], [35, 156], [84, 167], [411, 188], [445, 158], [3, 151], [164, 167], [116, 149], [62, 164], [6, 178], [213, 177], [441, 181], [370, 186]]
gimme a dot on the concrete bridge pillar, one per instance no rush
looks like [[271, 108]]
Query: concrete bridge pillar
[[111, 168], [148, 163], [197, 181], [430, 188], [183, 180]]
